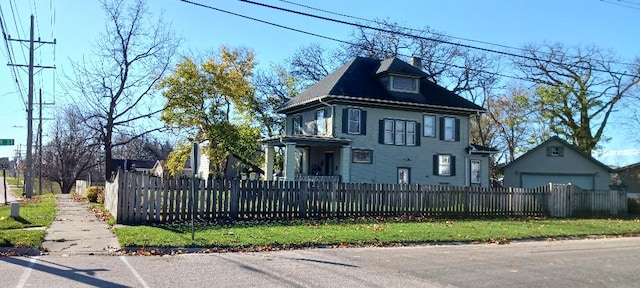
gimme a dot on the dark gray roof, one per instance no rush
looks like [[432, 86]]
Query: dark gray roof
[[397, 66], [359, 79], [475, 148]]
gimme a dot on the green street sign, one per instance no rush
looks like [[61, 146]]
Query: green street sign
[[6, 142]]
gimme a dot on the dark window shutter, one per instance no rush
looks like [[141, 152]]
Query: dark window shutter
[[363, 122], [417, 132], [435, 164], [345, 120], [457, 129], [453, 165], [381, 131], [441, 124]]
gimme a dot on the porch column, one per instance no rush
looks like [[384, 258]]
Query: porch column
[[268, 163], [345, 163], [289, 161]]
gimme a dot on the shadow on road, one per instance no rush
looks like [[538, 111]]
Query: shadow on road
[[71, 273]]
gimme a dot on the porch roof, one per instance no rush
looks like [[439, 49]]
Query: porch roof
[[306, 140]]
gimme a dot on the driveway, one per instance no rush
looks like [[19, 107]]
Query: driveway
[[574, 263]]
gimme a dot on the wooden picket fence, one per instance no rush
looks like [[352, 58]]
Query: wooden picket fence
[[137, 198]]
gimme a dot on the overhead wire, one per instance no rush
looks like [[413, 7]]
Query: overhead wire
[[10, 57], [427, 38], [354, 44], [378, 22], [622, 4]]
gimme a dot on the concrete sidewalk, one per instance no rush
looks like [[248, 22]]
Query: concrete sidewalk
[[77, 231], [11, 197]]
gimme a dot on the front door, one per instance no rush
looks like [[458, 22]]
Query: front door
[[328, 164], [403, 175]]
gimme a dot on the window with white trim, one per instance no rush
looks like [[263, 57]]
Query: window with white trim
[[444, 165], [296, 124], [399, 132], [404, 84], [449, 129], [388, 132], [321, 123], [476, 173], [429, 126], [410, 134], [354, 121]]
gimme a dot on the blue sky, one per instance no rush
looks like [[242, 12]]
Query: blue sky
[[508, 22]]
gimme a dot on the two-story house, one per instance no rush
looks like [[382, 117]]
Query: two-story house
[[378, 121]]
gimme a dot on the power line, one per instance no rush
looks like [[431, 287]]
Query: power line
[[354, 44], [422, 30], [10, 56], [427, 38], [621, 4]]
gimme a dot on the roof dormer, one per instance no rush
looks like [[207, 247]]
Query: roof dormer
[[399, 76]]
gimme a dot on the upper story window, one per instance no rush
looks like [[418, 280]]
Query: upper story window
[[399, 132], [321, 123], [296, 124], [555, 151], [354, 121], [429, 126], [404, 84], [449, 129]]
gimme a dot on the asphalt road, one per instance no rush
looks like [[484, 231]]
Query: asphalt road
[[575, 263]]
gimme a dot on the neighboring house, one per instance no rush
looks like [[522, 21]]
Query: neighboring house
[[629, 179], [378, 121], [204, 168], [556, 161], [133, 165]]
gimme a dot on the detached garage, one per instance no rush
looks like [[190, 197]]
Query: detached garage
[[556, 161]]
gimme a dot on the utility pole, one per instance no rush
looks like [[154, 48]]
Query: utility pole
[[40, 119], [28, 174]]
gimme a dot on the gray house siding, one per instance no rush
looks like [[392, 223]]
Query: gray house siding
[[572, 164], [387, 158], [309, 123]]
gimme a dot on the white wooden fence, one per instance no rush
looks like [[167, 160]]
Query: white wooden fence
[[137, 198]]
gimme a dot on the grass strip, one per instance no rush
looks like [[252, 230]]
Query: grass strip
[[38, 211], [311, 233]]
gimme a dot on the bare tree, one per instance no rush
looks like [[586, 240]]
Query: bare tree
[[131, 57], [71, 152], [578, 89], [142, 148]]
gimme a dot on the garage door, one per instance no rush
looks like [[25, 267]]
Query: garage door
[[537, 180]]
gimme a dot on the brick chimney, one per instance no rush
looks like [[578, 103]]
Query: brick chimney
[[416, 62]]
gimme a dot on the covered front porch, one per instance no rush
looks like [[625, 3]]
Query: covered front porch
[[308, 158]]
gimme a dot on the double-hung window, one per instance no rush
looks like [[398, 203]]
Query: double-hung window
[[429, 126], [354, 121], [449, 129], [388, 132], [296, 124], [444, 165], [321, 123], [399, 132]]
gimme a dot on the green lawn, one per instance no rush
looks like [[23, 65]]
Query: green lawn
[[37, 212], [17, 186], [383, 232]]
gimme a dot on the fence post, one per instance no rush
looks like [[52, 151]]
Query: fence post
[[466, 200], [302, 199], [234, 201]]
